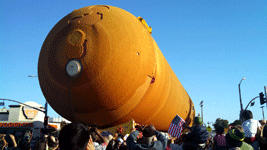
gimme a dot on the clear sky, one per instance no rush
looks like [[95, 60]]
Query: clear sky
[[210, 45]]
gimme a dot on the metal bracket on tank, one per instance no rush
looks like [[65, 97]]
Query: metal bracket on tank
[[104, 6], [152, 79], [144, 23]]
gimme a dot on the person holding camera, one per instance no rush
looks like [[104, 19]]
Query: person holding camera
[[99, 141], [147, 139]]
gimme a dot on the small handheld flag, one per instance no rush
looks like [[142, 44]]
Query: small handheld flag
[[176, 126]]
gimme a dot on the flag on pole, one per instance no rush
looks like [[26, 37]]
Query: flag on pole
[[176, 126]]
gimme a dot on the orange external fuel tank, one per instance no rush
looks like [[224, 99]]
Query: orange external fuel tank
[[101, 66]]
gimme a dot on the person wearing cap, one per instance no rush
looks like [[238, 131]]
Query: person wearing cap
[[147, 141], [197, 137], [250, 127], [235, 138]]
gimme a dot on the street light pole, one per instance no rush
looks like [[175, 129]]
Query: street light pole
[[201, 105], [45, 119], [241, 112], [262, 112], [45, 112], [4, 99]]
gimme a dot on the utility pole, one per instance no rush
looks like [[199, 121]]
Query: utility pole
[[45, 112], [45, 119], [262, 112], [241, 105], [201, 105]]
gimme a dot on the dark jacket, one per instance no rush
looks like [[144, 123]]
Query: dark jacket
[[160, 144], [198, 135]]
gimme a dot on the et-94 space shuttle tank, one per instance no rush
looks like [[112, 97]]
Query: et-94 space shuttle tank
[[101, 66]]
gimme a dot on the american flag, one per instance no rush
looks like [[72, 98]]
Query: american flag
[[176, 126]]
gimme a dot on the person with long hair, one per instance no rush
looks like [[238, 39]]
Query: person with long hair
[[75, 136]]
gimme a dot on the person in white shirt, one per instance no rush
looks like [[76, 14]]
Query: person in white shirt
[[250, 127]]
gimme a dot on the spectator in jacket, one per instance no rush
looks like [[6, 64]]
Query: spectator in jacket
[[111, 144], [261, 136], [250, 127], [169, 142], [197, 138], [41, 144], [123, 147], [25, 142], [148, 143]]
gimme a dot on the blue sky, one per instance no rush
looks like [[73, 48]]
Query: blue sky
[[210, 45]]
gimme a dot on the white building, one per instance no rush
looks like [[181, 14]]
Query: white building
[[19, 119], [58, 120]]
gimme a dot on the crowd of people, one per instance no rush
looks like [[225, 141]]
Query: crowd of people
[[246, 136], [11, 142], [77, 136]]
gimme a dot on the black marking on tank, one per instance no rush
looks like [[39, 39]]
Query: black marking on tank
[[105, 6], [100, 14], [84, 47]]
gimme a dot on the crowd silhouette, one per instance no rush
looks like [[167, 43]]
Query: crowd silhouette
[[249, 135]]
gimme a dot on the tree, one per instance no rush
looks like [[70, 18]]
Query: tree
[[62, 124], [221, 122], [237, 122]]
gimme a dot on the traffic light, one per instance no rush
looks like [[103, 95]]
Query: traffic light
[[262, 99], [46, 121], [252, 104]]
